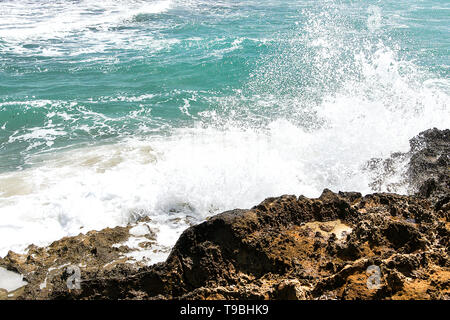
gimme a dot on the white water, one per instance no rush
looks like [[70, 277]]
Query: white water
[[76, 27], [10, 281]]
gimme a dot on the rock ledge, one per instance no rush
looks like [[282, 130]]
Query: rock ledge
[[338, 246]]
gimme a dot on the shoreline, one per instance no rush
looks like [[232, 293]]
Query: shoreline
[[286, 247]]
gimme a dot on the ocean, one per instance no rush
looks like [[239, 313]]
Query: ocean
[[177, 110]]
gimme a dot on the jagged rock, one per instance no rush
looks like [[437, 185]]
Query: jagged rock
[[290, 289], [338, 246], [97, 252], [271, 252], [425, 168], [430, 165]]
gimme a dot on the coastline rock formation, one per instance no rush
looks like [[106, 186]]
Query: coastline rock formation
[[338, 246]]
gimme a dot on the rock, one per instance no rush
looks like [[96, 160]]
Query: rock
[[286, 247], [94, 253], [430, 164], [395, 280], [271, 252], [426, 172], [290, 289]]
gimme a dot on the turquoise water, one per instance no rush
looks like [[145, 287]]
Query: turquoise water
[[113, 109], [86, 72]]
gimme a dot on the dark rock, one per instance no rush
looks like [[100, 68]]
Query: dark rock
[[284, 248], [430, 164]]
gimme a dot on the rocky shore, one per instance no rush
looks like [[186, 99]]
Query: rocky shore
[[339, 246]]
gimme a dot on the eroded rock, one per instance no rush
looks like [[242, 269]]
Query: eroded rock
[[338, 246]]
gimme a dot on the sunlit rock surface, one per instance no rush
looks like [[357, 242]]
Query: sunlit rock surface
[[339, 246]]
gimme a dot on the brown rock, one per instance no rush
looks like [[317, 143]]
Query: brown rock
[[286, 247]]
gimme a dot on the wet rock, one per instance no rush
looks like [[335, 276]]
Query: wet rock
[[46, 269], [430, 164], [424, 169], [332, 247], [271, 252]]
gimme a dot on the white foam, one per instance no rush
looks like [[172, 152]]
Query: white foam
[[10, 281], [88, 22]]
